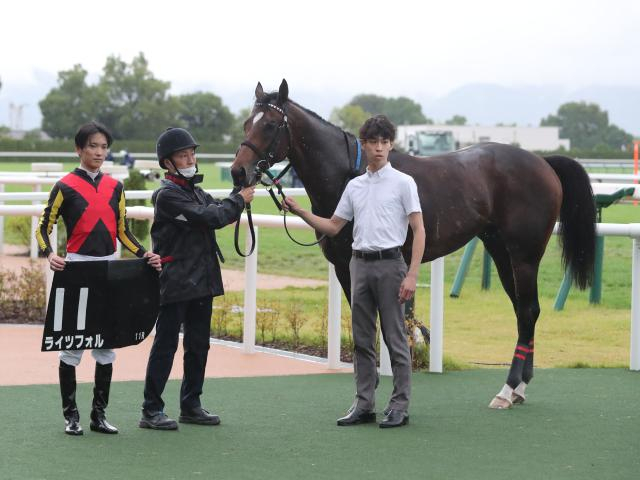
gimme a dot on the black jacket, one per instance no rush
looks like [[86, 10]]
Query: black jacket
[[185, 217]]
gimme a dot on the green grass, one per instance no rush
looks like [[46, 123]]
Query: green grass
[[576, 424]]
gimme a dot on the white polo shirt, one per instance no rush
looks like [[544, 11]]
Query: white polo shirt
[[380, 202]]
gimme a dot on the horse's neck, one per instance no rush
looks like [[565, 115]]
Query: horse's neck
[[321, 160]]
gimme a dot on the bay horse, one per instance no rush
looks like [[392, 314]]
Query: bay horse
[[508, 197]]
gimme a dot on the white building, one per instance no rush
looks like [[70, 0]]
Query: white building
[[529, 138]]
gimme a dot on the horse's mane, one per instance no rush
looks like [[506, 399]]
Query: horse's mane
[[273, 96]]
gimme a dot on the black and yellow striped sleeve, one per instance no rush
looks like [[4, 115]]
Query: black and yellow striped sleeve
[[48, 219], [124, 234]]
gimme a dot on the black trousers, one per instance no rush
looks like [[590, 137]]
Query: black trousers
[[195, 315]]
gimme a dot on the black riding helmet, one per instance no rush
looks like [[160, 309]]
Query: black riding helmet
[[171, 141]]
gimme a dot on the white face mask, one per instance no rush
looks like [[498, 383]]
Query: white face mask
[[188, 172]]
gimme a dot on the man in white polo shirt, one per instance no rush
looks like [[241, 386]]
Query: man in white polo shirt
[[383, 202]]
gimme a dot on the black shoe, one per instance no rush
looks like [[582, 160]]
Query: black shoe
[[157, 421], [198, 416], [356, 417], [395, 418], [99, 424], [72, 426]]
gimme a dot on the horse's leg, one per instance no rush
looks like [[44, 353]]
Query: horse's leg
[[527, 311], [498, 251], [344, 278]]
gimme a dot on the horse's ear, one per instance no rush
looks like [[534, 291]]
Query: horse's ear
[[259, 91], [283, 92]]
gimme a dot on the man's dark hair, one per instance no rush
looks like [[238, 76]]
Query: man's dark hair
[[378, 126], [91, 128]]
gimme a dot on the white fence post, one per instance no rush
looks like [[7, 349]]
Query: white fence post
[[34, 226], [251, 276], [53, 239], [634, 354], [334, 320], [437, 315]]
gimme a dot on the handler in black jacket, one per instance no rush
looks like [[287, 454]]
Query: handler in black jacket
[[183, 234]]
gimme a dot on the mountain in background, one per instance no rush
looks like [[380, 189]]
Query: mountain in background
[[483, 104], [489, 104]]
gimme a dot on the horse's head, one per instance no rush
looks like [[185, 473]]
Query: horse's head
[[267, 139]]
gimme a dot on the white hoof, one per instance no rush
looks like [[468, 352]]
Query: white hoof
[[500, 403]]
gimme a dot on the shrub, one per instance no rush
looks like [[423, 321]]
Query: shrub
[[267, 319], [20, 229], [23, 296], [296, 319], [220, 317]]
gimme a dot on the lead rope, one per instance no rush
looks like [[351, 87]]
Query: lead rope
[[236, 233], [275, 182]]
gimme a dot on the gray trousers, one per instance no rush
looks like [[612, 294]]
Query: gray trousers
[[375, 285]]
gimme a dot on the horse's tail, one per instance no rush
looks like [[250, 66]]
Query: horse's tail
[[577, 219]]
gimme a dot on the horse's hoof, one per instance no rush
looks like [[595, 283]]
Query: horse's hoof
[[517, 399], [499, 403]]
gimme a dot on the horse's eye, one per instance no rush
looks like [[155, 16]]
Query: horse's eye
[[270, 126]]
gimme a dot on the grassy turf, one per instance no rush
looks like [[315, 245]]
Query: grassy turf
[[577, 424]]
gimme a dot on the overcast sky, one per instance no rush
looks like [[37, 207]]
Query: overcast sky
[[340, 48]]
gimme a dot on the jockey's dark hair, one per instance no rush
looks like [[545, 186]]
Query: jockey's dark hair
[[91, 128], [378, 126]]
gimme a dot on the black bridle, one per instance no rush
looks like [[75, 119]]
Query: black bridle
[[266, 159]]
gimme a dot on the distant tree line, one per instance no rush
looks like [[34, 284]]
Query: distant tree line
[[136, 105], [133, 103], [588, 128], [585, 124]]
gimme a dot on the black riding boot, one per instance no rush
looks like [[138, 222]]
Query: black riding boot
[[67, 374], [101, 400]]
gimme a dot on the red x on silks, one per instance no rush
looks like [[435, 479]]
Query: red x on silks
[[98, 208]]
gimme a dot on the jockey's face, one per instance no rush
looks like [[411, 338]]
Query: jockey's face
[[92, 155]]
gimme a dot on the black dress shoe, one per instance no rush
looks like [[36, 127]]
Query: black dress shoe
[[357, 416], [395, 418], [99, 424], [72, 426], [157, 421], [198, 416]]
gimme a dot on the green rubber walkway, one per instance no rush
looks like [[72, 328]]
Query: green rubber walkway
[[576, 424]]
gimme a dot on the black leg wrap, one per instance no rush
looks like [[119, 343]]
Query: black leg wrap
[[527, 373], [101, 399], [517, 365]]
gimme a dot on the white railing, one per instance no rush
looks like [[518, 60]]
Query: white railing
[[74, 155], [38, 195], [614, 177], [335, 292], [436, 297]]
